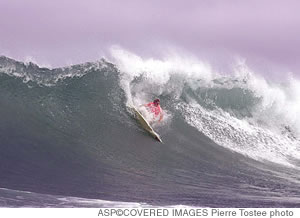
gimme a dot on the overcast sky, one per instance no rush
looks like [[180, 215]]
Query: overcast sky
[[59, 32]]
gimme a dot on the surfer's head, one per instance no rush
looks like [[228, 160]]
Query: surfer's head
[[156, 102]]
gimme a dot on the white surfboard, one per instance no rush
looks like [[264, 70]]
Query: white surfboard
[[145, 124]]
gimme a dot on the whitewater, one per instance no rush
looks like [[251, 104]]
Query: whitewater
[[230, 139]]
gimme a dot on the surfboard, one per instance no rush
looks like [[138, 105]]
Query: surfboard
[[146, 126]]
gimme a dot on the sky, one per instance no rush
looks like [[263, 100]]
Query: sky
[[62, 32]]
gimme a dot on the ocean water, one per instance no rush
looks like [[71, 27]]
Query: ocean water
[[68, 138]]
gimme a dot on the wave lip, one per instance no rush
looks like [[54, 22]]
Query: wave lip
[[30, 72]]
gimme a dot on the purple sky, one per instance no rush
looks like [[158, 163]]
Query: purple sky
[[59, 32]]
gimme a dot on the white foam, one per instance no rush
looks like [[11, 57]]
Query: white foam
[[240, 136], [32, 199]]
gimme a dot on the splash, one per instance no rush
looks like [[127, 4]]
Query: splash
[[155, 74]]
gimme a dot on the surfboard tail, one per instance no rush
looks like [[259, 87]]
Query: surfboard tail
[[158, 139], [156, 136]]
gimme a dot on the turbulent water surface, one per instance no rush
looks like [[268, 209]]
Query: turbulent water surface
[[68, 139]]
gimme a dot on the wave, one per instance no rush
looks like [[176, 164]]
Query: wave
[[68, 132], [241, 111]]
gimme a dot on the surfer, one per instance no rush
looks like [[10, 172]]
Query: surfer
[[152, 113], [155, 109]]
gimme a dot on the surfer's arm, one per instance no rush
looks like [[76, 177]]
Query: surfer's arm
[[161, 116], [145, 105]]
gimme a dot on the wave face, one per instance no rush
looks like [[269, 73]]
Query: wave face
[[229, 140]]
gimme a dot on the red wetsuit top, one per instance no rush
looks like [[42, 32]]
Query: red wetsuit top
[[154, 109]]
